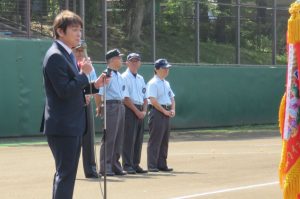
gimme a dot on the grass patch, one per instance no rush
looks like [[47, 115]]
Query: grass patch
[[180, 48]]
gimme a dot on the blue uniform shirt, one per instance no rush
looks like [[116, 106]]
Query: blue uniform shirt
[[116, 88], [136, 87], [161, 90], [92, 76]]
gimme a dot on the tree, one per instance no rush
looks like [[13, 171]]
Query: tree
[[223, 21], [204, 21], [23, 13], [92, 15], [134, 19], [261, 21]]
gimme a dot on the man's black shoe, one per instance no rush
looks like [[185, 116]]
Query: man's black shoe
[[93, 175], [108, 173], [153, 170], [166, 169], [138, 169], [130, 170], [120, 173]]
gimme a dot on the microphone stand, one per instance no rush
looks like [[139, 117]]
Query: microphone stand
[[104, 133], [104, 136], [104, 129]]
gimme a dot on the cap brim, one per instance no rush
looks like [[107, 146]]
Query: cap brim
[[77, 47], [167, 66], [138, 58]]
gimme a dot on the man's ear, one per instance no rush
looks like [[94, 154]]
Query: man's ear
[[60, 32]]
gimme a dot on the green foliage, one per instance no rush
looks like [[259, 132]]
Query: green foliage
[[175, 15], [92, 17], [53, 8], [175, 28], [181, 50]]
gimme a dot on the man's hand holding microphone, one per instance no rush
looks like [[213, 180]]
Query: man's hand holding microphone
[[86, 68]]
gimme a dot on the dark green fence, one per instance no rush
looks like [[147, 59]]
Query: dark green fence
[[206, 95]]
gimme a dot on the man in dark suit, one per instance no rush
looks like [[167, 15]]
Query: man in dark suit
[[65, 109]]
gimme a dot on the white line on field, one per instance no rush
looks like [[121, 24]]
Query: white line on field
[[267, 145], [225, 153], [227, 190]]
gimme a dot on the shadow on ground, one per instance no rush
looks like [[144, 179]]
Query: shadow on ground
[[223, 136], [139, 176], [238, 133]]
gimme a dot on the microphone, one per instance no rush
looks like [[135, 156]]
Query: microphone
[[107, 72], [84, 45]]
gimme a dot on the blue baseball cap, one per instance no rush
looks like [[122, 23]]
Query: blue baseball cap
[[133, 56], [162, 63], [113, 53], [82, 44]]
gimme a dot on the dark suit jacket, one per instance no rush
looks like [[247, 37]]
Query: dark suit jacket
[[65, 111]]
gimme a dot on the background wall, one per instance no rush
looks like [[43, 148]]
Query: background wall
[[206, 95]]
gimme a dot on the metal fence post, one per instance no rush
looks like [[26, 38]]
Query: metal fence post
[[153, 31], [82, 15], [274, 42], [67, 4], [238, 32], [74, 6], [104, 25], [197, 60], [28, 18]]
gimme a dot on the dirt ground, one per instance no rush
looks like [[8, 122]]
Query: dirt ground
[[207, 165]]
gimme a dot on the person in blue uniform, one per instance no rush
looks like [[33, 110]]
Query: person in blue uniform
[[161, 109], [135, 111], [88, 153], [115, 92]]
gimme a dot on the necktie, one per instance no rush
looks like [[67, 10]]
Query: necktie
[[74, 60]]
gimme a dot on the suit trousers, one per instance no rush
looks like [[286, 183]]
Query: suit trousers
[[158, 143], [66, 152], [133, 140], [88, 153], [115, 114]]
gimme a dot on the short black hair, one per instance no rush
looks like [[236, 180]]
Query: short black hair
[[63, 20]]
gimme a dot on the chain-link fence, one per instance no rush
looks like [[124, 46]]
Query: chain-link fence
[[183, 31]]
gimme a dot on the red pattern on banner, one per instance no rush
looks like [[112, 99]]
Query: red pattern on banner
[[293, 151], [293, 145]]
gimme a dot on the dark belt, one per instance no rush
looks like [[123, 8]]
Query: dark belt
[[167, 107], [114, 102], [140, 107]]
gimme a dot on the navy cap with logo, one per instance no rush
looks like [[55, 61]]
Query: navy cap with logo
[[113, 53], [82, 44], [162, 63], [133, 56]]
